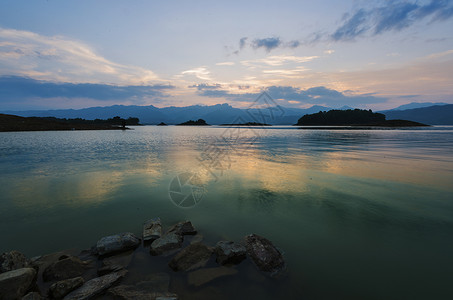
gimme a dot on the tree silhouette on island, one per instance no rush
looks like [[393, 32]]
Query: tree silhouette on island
[[352, 117], [199, 122]]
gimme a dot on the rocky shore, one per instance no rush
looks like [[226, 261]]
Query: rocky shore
[[109, 269]]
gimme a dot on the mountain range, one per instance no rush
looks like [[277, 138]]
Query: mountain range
[[428, 113]]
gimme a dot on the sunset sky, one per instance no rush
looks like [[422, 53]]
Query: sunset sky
[[366, 54]]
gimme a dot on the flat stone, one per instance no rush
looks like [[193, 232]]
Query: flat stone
[[192, 257], [264, 254], [95, 286], [15, 284], [126, 292], [63, 287], [117, 243], [115, 263], [203, 276], [33, 296], [13, 260], [230, 253], [183, 228], [152, 229], [168, 242], [64, 268]]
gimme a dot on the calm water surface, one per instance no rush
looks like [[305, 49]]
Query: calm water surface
[[358, 214]]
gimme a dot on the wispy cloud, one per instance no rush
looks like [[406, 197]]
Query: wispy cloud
[[267, 43], [58, 58], [227, 63], [277, 60], [201, 73]]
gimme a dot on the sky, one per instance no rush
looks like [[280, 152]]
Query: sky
[[364, 54]]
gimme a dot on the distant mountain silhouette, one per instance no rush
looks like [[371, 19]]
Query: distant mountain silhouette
[[417, 105], [433, 115]]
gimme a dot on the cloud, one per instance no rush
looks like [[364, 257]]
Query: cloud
[[267, 43], [200, 73], [206, 86], [394, 16], [242, 42], [57, 58], [21, 88], [227, 63], [277, 60], [294, 96]]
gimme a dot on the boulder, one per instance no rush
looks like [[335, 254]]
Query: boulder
[[115, 263], [15, 284], [192, 257], [66, 267], [117, 243], [61, 288], [152, 230], [95, 286], [168, 242], [32, 296], [203, 276], [229, 253], [183, 228], [13, 260], [264, 254]]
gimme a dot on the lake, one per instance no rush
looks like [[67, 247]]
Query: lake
[[358, 214]]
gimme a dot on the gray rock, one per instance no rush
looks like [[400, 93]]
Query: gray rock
[[117, 243], [13, 260], [230, 253], [264, 254], [168, 242], [135, 292], [61, 288], [198, 238], [32, 296], [15, 284], [183, 228], [115, 263], [192, 257], [64, 268], [95, 286], [152, 229], [203, 276]]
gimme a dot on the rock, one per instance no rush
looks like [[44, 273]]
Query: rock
[[264, 254], [13, 260], [169, 241], [115, 263], [135, 292], [32, 296], [183, 228], [230, 253], [152, 229], [192, 257], [95, 286], [117, 243], [198, 238], [203, 276], [64, 268], [61, 288], [15, 284]]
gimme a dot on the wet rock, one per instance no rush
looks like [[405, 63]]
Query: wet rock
[[192, 257], [203, 276], [61, 288], [198, 238], [168, 242], [15, 284], [33, 296], [135, 292], [64, 268], [229, 252], [13, 260], [117, 243], [183, 228], [115, 263], [152, 229], [264, 254], [95, 286]]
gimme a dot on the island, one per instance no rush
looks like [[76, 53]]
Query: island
[[161, 124], [17, 123], [353, 118], [199, 122], [247, 124]]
